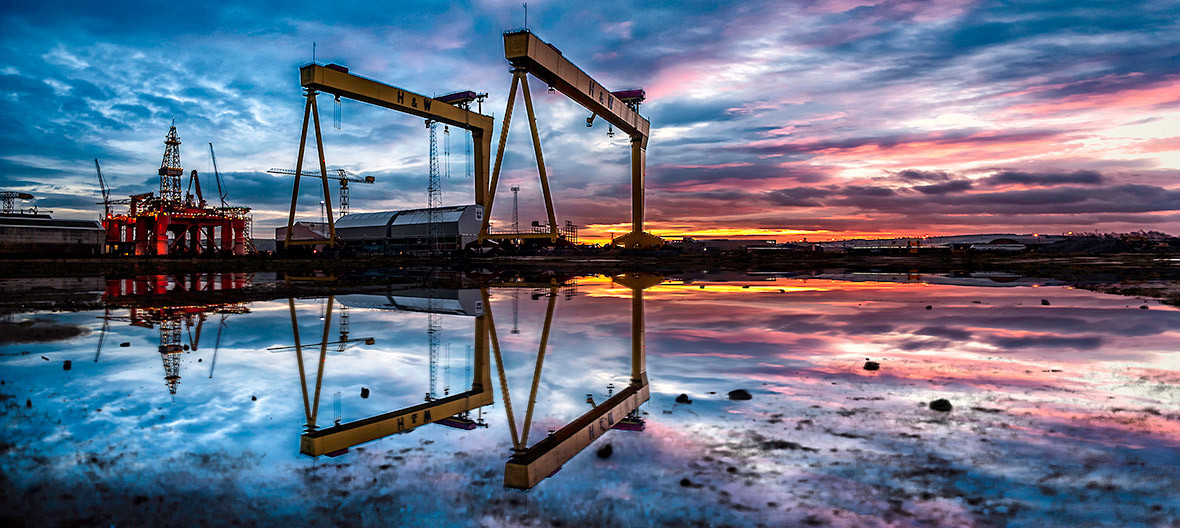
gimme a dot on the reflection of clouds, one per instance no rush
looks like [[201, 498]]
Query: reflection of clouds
[[1037, 390]]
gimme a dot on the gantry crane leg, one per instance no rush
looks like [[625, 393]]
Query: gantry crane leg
[[311, 406], [531, 464], [520, 77], [500, 367], [528, 106], [311, 112], [491, 197]]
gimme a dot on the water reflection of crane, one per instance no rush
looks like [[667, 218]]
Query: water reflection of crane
[[452, 410], [162, 301], [528, 465]]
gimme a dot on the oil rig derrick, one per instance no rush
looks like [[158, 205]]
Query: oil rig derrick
[[170, 169], [175, 222]]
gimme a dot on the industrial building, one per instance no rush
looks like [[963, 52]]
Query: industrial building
[[715, 245], [40, 234], [409, 231]]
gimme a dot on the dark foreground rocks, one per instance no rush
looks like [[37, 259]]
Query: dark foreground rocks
[[941, 405], [740, 394]]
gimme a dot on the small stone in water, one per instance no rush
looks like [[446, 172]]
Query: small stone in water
[[740, 394]]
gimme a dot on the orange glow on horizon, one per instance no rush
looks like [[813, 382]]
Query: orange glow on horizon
[[603, 233]]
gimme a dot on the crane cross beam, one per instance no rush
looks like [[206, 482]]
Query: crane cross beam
[[343, 84], [525, 50]]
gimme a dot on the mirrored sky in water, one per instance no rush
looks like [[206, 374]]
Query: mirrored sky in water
[[1064, 413]]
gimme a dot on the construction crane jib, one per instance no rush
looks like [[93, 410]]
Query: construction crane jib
[[337, 81], [531, 55]]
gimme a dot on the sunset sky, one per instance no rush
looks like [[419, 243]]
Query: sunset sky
[[785, 120]]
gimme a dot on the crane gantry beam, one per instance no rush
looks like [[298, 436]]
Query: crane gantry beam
[[337, 81], [528, 54]]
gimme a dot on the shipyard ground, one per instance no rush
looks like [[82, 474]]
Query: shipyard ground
[[1149, 275]]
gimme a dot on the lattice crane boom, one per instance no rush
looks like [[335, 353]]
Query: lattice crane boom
[[338, 174], [222, 192], [106, 191]]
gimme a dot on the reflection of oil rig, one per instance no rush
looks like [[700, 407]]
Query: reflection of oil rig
[[529, 464], [174, 320], [174, 223]]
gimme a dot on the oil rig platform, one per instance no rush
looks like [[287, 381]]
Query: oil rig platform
[[174, 223]]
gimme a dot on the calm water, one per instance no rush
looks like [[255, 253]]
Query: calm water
[[1066, 413]]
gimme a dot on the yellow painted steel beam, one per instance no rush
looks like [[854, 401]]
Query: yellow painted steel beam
[[319, 78], [525, 50], [327, 80], [346, 435], [526, 469]]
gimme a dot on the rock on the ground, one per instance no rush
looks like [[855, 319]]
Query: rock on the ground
[[872, 365], [125, 344], [683, 398], [941, 405], [1044, 302], [67, 365], [605, 451], [740, 394], [929, 307], [364, 392]]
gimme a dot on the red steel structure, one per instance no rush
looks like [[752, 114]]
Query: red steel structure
[[176, 224], [148, 303]]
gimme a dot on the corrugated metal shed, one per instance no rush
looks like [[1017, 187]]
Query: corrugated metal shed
[[456, 226], [422, 216], [380, 219], [42, 235]]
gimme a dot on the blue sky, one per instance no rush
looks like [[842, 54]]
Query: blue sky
[[789, 119]]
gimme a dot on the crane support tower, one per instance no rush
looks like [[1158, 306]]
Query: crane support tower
[[528, 54], [452, 109]]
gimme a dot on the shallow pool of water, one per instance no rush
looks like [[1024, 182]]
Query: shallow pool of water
[[1065, 406]]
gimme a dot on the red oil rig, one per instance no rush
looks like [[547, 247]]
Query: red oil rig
[[174, 223]]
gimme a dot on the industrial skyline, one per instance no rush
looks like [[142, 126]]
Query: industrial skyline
[[821, 120]]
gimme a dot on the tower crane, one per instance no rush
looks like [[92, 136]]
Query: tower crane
[[341, 345], [9, 196], [339, 174]]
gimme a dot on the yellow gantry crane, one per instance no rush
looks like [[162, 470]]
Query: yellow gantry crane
[[531, 55], [453, 110], [529, 464], [449, 410]]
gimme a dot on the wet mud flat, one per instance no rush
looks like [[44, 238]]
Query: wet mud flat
[[848, 454]]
